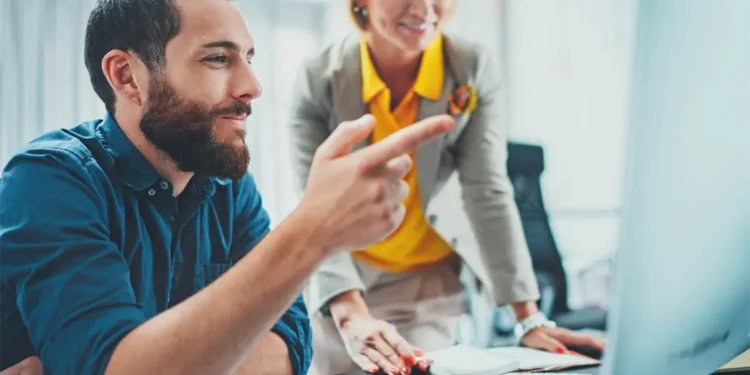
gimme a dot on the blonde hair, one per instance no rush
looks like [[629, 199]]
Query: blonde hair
[[360, 21]]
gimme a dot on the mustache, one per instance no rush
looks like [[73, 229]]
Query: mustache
[[236, 109]]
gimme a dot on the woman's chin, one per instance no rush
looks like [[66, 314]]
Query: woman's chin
[[417, 42]]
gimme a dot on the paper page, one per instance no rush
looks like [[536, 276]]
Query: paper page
[[742, 361], [468, 360], [531, 359]]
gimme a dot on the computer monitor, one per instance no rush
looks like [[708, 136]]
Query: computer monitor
[[682, 274]]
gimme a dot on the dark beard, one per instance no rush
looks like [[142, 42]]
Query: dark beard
[[184, 131]]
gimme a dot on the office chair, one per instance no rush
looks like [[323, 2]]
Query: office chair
[[525, 166], [486, 325]]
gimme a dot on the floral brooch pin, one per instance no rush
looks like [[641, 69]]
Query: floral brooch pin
[[463, 100]]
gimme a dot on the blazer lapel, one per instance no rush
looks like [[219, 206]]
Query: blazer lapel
[[347, 102], [347, 87], [428, 154]]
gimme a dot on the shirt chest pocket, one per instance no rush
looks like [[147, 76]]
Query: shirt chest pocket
[[208, 258]]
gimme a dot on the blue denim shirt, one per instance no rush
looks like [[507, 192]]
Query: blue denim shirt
[[93, 244]]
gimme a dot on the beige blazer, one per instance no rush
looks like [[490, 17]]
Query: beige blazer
[[329, 91]]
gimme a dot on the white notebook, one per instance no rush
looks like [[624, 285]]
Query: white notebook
[[468, 360], [532, 359]]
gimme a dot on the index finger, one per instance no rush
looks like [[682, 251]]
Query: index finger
[[404, 141], [399, 344]]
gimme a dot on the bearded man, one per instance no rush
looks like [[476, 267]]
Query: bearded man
[[138, 243]]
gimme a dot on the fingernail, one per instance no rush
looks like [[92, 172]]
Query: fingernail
[[412, 361], [362, 121], [560, 350]]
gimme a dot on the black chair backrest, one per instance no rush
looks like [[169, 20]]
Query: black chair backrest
[[525, 167]]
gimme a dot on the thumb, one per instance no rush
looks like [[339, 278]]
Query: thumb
[[345, 136]]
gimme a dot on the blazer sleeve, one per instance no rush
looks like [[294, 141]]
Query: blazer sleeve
[[308, 128], [487, 193]]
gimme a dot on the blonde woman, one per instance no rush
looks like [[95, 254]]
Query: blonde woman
[[379, 307]]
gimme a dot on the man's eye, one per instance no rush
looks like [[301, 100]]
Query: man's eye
[[217, 59]]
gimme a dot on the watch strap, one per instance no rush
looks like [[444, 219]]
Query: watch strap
[[532, 322]]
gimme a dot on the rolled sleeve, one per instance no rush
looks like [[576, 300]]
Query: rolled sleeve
[[72, 284], [294, 329], [251, 224]]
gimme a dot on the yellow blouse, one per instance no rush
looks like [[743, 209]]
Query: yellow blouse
[[415, 243]]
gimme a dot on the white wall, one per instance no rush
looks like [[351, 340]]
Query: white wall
[[43, 81], [285, 32], [568, 69]]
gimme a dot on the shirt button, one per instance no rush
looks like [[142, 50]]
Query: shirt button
[[164, 185], [152, 192]]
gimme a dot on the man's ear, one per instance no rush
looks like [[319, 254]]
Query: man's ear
[[121, 70]]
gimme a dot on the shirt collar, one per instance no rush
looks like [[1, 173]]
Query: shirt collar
[[132, 167], [372, 85], [429, 83]]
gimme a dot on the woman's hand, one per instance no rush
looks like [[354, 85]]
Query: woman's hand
[[557, 340], [376, 345]]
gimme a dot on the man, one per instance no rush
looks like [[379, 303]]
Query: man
[[138, 244]]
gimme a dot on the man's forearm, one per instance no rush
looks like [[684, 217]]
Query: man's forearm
[[214, 331], [269, 357]]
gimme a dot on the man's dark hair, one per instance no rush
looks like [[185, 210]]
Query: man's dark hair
[[140, 27]]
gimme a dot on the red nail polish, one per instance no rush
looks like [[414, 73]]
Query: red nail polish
[[560, 350]]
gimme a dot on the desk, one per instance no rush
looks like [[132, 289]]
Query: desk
[[587, 371], [731, 368], [596, 371], [742, 362]]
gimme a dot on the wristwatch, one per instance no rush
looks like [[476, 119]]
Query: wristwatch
[[531, 322]]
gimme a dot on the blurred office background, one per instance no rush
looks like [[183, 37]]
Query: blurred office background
[[566, 64]]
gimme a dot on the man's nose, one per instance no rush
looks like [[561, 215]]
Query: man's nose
[[247, 86]]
